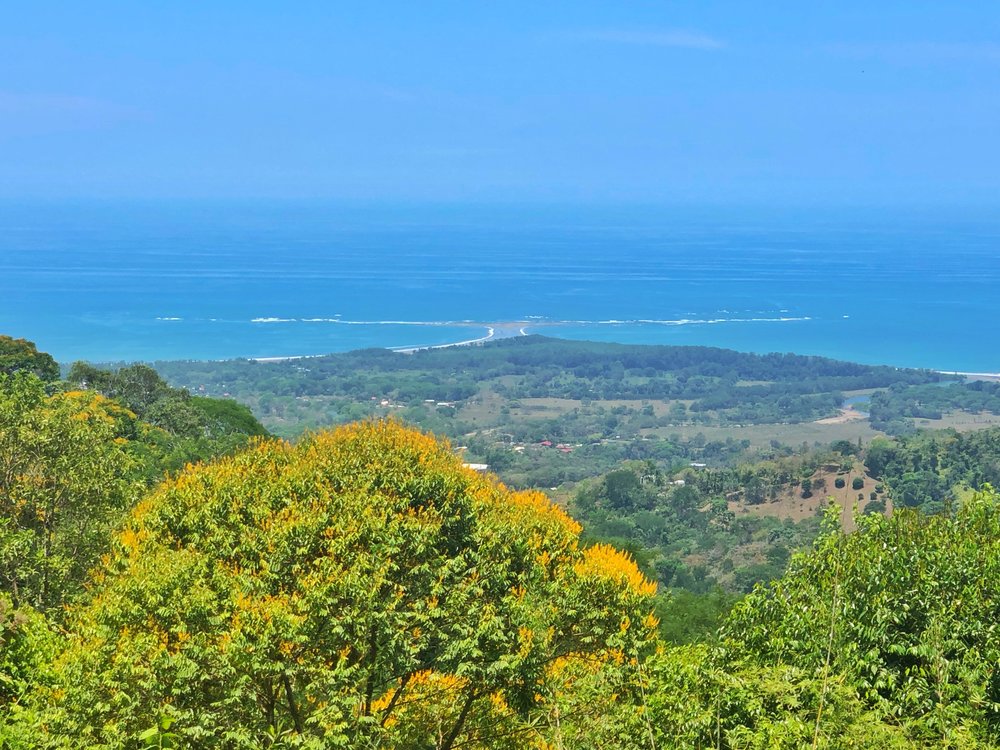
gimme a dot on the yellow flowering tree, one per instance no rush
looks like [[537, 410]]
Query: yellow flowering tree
[[361, 589]]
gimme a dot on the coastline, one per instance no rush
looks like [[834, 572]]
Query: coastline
[[506, 330], [513, 329], [314, 342], [494, 332], [471, 342], [991, 376]]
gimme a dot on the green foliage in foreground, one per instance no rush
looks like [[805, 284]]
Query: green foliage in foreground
[[362, 589], [171, 427], [884, 638], [72, 462], [905, 612], [65, 477]]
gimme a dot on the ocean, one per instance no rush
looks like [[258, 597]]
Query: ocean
[[211, 280]]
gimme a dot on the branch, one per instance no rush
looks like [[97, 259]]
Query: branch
[[453, 734], [290, 697]]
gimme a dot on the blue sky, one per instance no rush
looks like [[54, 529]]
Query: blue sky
[[633, 101]]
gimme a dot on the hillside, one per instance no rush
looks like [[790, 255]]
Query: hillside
[[365, 588]]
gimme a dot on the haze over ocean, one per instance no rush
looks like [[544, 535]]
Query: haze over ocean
[[211, 280]]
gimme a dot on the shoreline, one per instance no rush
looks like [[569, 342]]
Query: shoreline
[[512, 329], [972, 375], [471, 342], [494, 332]]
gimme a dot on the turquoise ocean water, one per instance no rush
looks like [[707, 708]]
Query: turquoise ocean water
[[214, 280]]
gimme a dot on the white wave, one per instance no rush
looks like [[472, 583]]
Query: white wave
[[687, 321], [398, 323], [472, 323], [170, 318], [458, 323], [455, 323]]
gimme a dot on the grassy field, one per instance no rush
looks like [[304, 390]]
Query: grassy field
[[791, 505], [488, 408], [962, 421], [761, 435]]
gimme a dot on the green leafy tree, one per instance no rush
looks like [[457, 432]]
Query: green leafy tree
[[27, 648], [136, 386], [221, 417], [623, 489], [903, 612], [65, 476], [21, 355]]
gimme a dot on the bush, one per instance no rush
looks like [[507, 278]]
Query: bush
[[857, 483], [875, 506], [839, 483]]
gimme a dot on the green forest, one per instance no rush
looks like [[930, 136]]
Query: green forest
[[895, 409], [174, 575], [717, 386]]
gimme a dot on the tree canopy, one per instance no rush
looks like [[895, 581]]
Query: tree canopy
[[21, 355], [904, 612], [140, 388], [65, 477], [360, 588]]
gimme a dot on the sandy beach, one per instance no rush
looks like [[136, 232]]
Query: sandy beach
[[973, 375], [494, 332]]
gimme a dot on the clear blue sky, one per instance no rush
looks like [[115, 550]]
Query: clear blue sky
[[573, 100]]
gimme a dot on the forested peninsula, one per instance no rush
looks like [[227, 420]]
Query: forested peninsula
[[706, 572]]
